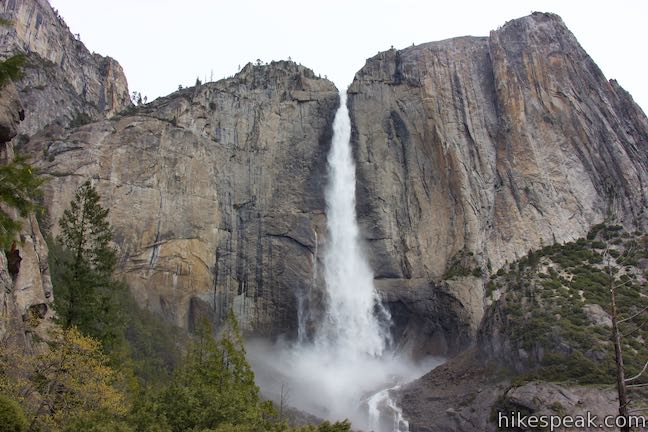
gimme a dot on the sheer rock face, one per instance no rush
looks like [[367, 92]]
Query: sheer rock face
[[215, 193], [472, 151], [62, 79], [25, 297]]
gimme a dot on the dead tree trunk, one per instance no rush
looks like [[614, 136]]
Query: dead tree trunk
[[618, 351]]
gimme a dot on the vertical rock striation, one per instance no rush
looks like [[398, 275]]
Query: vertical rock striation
[[215, 193], [472, 151]]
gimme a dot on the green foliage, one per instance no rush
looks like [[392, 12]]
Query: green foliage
[[65, 383], [12, 417], [544, 315], [457, 271], [591, 235], [463, 264], [343, 426], [574, 367], [490, 288], [82, 262], [100, 421], [153, 345], [88, 297], [215, 386], [598, 244], [11, 69], [85, 231], [572, 254], [19, 188]]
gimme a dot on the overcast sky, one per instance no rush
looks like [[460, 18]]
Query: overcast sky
[[164, 43]]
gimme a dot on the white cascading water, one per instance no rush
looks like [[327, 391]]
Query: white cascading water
[[355, 321], [347, 369]]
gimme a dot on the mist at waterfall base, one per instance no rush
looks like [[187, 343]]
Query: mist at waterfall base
[[347, 369], [333, 384]]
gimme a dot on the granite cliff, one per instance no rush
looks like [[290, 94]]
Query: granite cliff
[[473, 151], [470, 152], [25, 297], [62, 81], [215, 192]]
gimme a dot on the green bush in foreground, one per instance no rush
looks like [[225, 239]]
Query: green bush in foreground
[[12, 418]]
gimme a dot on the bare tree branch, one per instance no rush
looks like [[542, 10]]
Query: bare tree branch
[[628, 282], [639, 327], [639, 374], [634, 316], [638, 410]]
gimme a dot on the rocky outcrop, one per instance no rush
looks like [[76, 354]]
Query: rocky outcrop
[[215, 193], [457, 396], [472, 151], [25, 286], [62, 81], [470, 394], [11, 113]]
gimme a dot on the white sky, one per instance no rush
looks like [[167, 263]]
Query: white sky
[[164, 43]]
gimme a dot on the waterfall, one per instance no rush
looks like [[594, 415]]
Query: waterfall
[[355, 321], [346, 368], [384, 413]]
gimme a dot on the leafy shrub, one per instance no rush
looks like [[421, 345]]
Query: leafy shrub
[[12, 418]]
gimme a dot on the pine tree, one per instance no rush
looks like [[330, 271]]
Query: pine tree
[[85, 231], [84, 260], [215, 386]]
